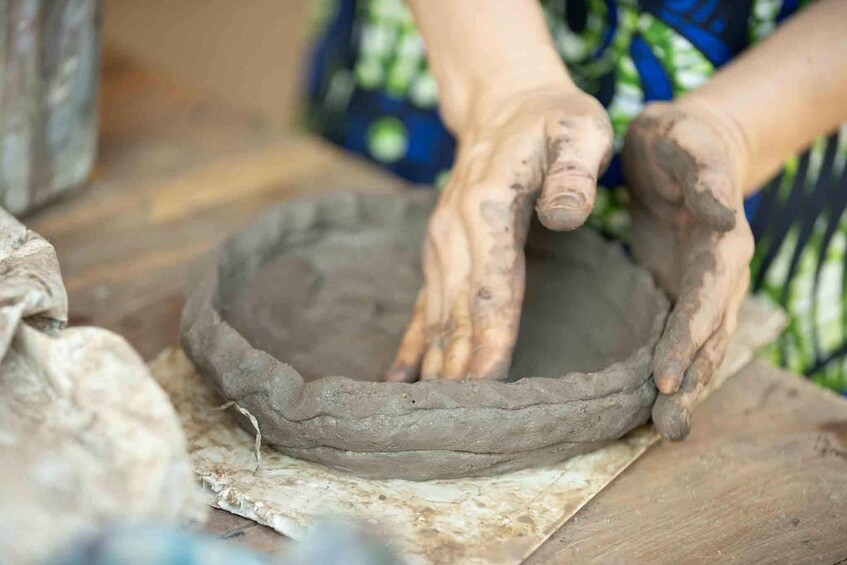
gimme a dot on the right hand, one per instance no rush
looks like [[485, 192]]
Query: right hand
[[684, 164], [542, 147]]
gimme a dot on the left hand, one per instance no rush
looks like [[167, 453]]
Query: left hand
[[684, 165], [542, 147]]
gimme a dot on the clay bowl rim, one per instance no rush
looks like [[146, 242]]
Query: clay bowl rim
[[228, 361]]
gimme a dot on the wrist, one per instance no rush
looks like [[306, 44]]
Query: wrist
[[478, 92]]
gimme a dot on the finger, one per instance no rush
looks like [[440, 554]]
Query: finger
[[695, 317], [434, 320], [671, 413], [686, 331], [407, 362], [457, 351], [433, 358], [730, 323], [433, 277], [456, 329], [578, 149], [496, 284], [491, 354], [702, 171], [495, 310]]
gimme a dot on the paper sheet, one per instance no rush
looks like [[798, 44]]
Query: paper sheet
[[495, 520]]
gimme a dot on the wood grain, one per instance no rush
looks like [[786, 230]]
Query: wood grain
[[763, 476], [176, 174]]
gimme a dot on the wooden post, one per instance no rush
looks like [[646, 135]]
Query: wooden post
[[49, 71]]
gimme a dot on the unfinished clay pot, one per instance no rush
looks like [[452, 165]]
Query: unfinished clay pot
[[321, 288]]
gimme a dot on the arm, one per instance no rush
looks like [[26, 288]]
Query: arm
[[689, 165], [527, 138], [480, 50], [785, 91]]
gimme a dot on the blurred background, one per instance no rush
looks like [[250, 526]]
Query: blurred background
[[248, 52]]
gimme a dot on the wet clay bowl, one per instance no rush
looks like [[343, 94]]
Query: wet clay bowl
[[303, 310]]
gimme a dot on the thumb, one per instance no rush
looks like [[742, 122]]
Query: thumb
[[694, 160], [577, 152]]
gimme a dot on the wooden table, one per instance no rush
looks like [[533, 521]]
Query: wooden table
[[762, 477]]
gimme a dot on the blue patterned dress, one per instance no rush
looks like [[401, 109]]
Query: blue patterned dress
[[369, 91]]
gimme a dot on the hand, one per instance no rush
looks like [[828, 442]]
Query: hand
[[542, 147], [684, 165]]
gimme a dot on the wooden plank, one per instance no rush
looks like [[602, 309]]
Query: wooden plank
[[47, 133], [761, 478]]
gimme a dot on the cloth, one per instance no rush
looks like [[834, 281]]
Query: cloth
[[32, 286], [369, 90], [86, 435], [332, 543]]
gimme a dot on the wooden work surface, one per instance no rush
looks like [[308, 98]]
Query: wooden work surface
[[762, 477]]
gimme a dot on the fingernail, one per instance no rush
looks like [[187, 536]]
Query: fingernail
[[397, 374], [668, 377], [569, 200], [566, 211]]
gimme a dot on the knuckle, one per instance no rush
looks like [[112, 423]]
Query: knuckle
[[596, 122], [433, 335], [441, 223], [562, 121], [655, 110], [712, 314], [497, 341], [737, 246], [746, 244], [460, 335], [474, 197], [593, 113], [653, 114], [475, 191], [485, 293], [568, 167], [460, 325], [471, 200], [604, 129]]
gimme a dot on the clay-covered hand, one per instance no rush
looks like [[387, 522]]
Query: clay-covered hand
[[684, 165], [541, 148]]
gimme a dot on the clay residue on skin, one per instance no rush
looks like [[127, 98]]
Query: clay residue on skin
[[678, 331], [689, 229], [699, 199], [671, 412], [838, 429]]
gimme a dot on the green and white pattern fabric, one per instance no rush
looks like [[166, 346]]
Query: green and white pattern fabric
[[370, 91]]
